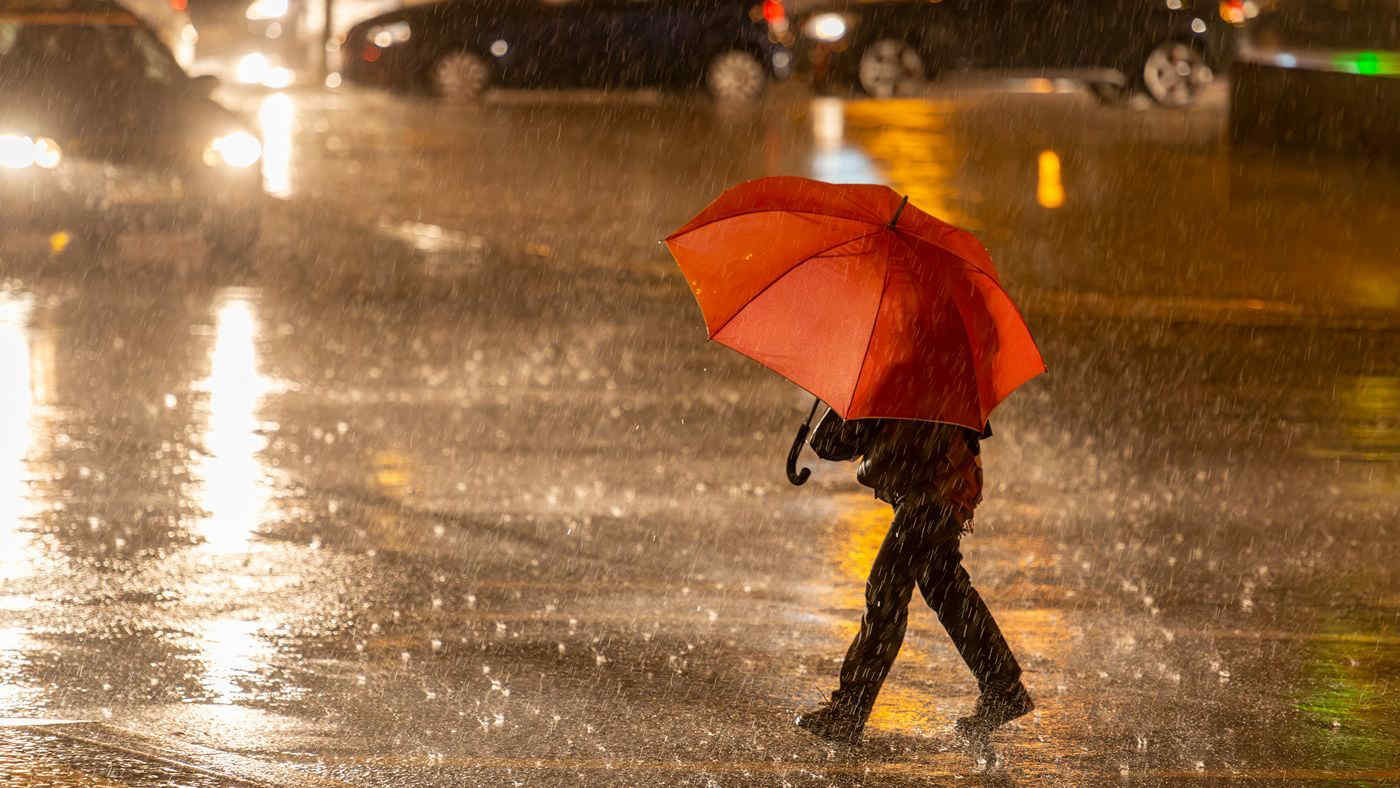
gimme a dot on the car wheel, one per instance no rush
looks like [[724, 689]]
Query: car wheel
[[890, 67], [461, 76], [1175, 74], [735, 75]]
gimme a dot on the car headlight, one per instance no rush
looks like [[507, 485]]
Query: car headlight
[[237, 149], [827, 27], [18, 152], [266, 9], [385, 36]]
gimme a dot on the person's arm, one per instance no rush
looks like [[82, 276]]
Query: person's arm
[[838, 440]]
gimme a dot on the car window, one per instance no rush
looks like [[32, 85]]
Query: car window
[[122, 52]]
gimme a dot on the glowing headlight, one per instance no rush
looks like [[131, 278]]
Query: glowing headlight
[[266, 9], [385, 36], [237, 149], [46, 153], [16, 152], [826, 27]]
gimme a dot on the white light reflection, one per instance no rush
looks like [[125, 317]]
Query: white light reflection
[[277, 119], [233, 488], [16, 435], [231, 650], [832, 160], [255, 68]]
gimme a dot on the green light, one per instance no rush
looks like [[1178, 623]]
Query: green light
[[1367, 63]]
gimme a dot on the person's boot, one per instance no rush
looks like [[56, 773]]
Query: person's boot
[[841, 719], [994, 709]]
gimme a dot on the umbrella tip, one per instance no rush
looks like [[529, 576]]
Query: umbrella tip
[[894, 219]]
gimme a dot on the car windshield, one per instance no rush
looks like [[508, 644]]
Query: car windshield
[[50, 50]]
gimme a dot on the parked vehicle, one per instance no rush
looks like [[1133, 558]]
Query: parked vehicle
[[1170, 49], [457, 49], [101, 130], [1320, 74]]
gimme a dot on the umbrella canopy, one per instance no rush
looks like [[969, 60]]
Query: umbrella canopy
[[872, 305]]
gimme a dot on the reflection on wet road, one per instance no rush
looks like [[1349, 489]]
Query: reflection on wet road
[[233, 484], [450, 489]]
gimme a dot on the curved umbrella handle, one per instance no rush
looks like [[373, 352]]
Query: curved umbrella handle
[[798, 478]]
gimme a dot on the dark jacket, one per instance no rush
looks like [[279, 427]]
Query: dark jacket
[[908, 461]]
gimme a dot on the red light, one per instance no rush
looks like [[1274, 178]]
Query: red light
[[371, 53], [179, 5], [773, 11]]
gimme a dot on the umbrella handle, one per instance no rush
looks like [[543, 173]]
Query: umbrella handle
[[798, 478]]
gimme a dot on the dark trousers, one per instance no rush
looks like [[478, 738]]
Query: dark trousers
[[922, 548]]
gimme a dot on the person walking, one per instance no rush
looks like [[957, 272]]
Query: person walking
[[931, 473]]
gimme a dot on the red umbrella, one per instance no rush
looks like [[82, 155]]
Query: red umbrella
[[870, 304]]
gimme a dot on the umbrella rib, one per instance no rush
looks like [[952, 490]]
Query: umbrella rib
[[870, 340], [727, 217], [783, 275], [979, 269], [972, 353]]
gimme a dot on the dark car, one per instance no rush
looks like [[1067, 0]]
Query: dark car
[[101, 131], [1320, 74], [1171, 49], [457, 49]]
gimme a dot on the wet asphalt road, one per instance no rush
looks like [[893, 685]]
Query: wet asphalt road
[[449, 488]]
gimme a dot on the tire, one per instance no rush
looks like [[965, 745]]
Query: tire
[[1174, 74], [889, 68], [460, 76], [735, 76]]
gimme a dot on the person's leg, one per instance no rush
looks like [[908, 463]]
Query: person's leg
[[877, 643], [948, 589]]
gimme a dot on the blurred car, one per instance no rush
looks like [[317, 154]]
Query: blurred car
[[1320, 73], [1170, 49], [101, 130], [170, 20], [459, 48]]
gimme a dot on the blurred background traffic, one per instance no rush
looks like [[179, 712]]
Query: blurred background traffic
[[1311, 74]]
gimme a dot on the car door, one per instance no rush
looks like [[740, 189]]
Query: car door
[[588, 42], [536, 43], [977, 34], [1078, 34], [654, 38], [1027, 37]]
